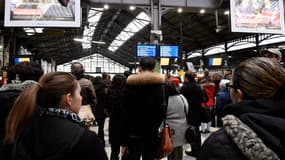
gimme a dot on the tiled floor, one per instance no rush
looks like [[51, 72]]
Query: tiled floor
[[108, 147]]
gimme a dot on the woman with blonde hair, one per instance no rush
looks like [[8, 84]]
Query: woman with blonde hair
[[253, 126], [43, 123]]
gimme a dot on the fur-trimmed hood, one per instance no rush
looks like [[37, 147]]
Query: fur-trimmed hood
[[18, 87], [146, 78], [208, 84], [247, 140]]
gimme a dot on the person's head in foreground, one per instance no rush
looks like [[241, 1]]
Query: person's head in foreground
[[257, 78], [147, 64], [253, 126], [54, 90]]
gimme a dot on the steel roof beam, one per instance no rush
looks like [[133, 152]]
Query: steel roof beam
[[164, 3]]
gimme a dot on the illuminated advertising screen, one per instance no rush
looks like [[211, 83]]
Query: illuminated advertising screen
[[257, 16], [169, 51], [42, 13], [146, 50]]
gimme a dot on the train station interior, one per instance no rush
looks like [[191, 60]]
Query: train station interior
[[111, 36]]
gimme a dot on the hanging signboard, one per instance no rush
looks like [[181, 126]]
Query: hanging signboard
[[257, 16]]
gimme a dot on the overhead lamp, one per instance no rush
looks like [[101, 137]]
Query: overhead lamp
[[1, 46], [132, 7], [86, 41], [179, 10], [202, 11], [227, 12], [39, 30], [106, 6]]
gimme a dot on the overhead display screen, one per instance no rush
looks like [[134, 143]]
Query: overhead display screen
[[42, 13], [170, 51], [146, 50], [257, 16], [215, 61]]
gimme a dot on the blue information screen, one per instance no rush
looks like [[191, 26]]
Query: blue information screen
[[146, 50], [171, 51]]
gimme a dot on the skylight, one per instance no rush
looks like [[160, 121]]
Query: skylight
[[132, 28], [94, 16]]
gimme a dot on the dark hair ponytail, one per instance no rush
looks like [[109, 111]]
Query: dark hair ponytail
[[21, 113]]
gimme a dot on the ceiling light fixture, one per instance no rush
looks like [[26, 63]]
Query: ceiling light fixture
[[132, 7], [179, 10], [227, 12], [202, 11], [86, 41], [106, 6]]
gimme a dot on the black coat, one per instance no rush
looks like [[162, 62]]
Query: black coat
[[57, 138], [101, 95], [8, 94], [194, 95], [115, 104], [143, 106], [245, 123]]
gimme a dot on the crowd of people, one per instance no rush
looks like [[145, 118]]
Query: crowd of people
[[49, 116]]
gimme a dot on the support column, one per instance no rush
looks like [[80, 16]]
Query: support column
[[155, 12]]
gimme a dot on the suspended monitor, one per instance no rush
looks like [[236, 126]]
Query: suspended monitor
[[21, 59], [146, 50], [169, 51], [215, 61], [42, 13]]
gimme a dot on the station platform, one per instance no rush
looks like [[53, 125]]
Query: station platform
[[186, 147]]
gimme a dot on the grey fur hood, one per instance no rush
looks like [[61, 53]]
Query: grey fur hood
[[146, 78], [18, 87], [247, 140]]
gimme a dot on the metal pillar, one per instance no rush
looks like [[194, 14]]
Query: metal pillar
[[155, 12]]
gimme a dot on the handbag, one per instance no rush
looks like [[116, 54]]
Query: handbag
[[165, 146], [191, 132]]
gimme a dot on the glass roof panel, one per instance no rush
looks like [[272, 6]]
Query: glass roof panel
[[129, 31]]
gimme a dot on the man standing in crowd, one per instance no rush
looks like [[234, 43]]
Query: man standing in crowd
[[272, 53], [143, 111], [87, 93], [194, 95], [20, 76]]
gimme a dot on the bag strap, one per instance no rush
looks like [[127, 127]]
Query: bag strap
[[185, 109], [164, 105]]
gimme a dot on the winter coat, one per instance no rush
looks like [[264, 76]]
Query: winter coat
[[142, 107], [222, 99], [101, 95], [57, 138], [115, 104], [194, 95], [210, 91], [253, 129], [8, 94], [176, 118]]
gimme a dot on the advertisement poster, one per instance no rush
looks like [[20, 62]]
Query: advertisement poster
[[42, 13], [257, 16]]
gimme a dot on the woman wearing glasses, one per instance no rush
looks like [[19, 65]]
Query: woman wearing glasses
[[253, 126]]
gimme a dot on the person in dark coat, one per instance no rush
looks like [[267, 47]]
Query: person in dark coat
[[223, 98], [20, 76], [43, 123], [194, 95], [143, 111], [253, 126], [87, 92], [101, 107], [114, 107]]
